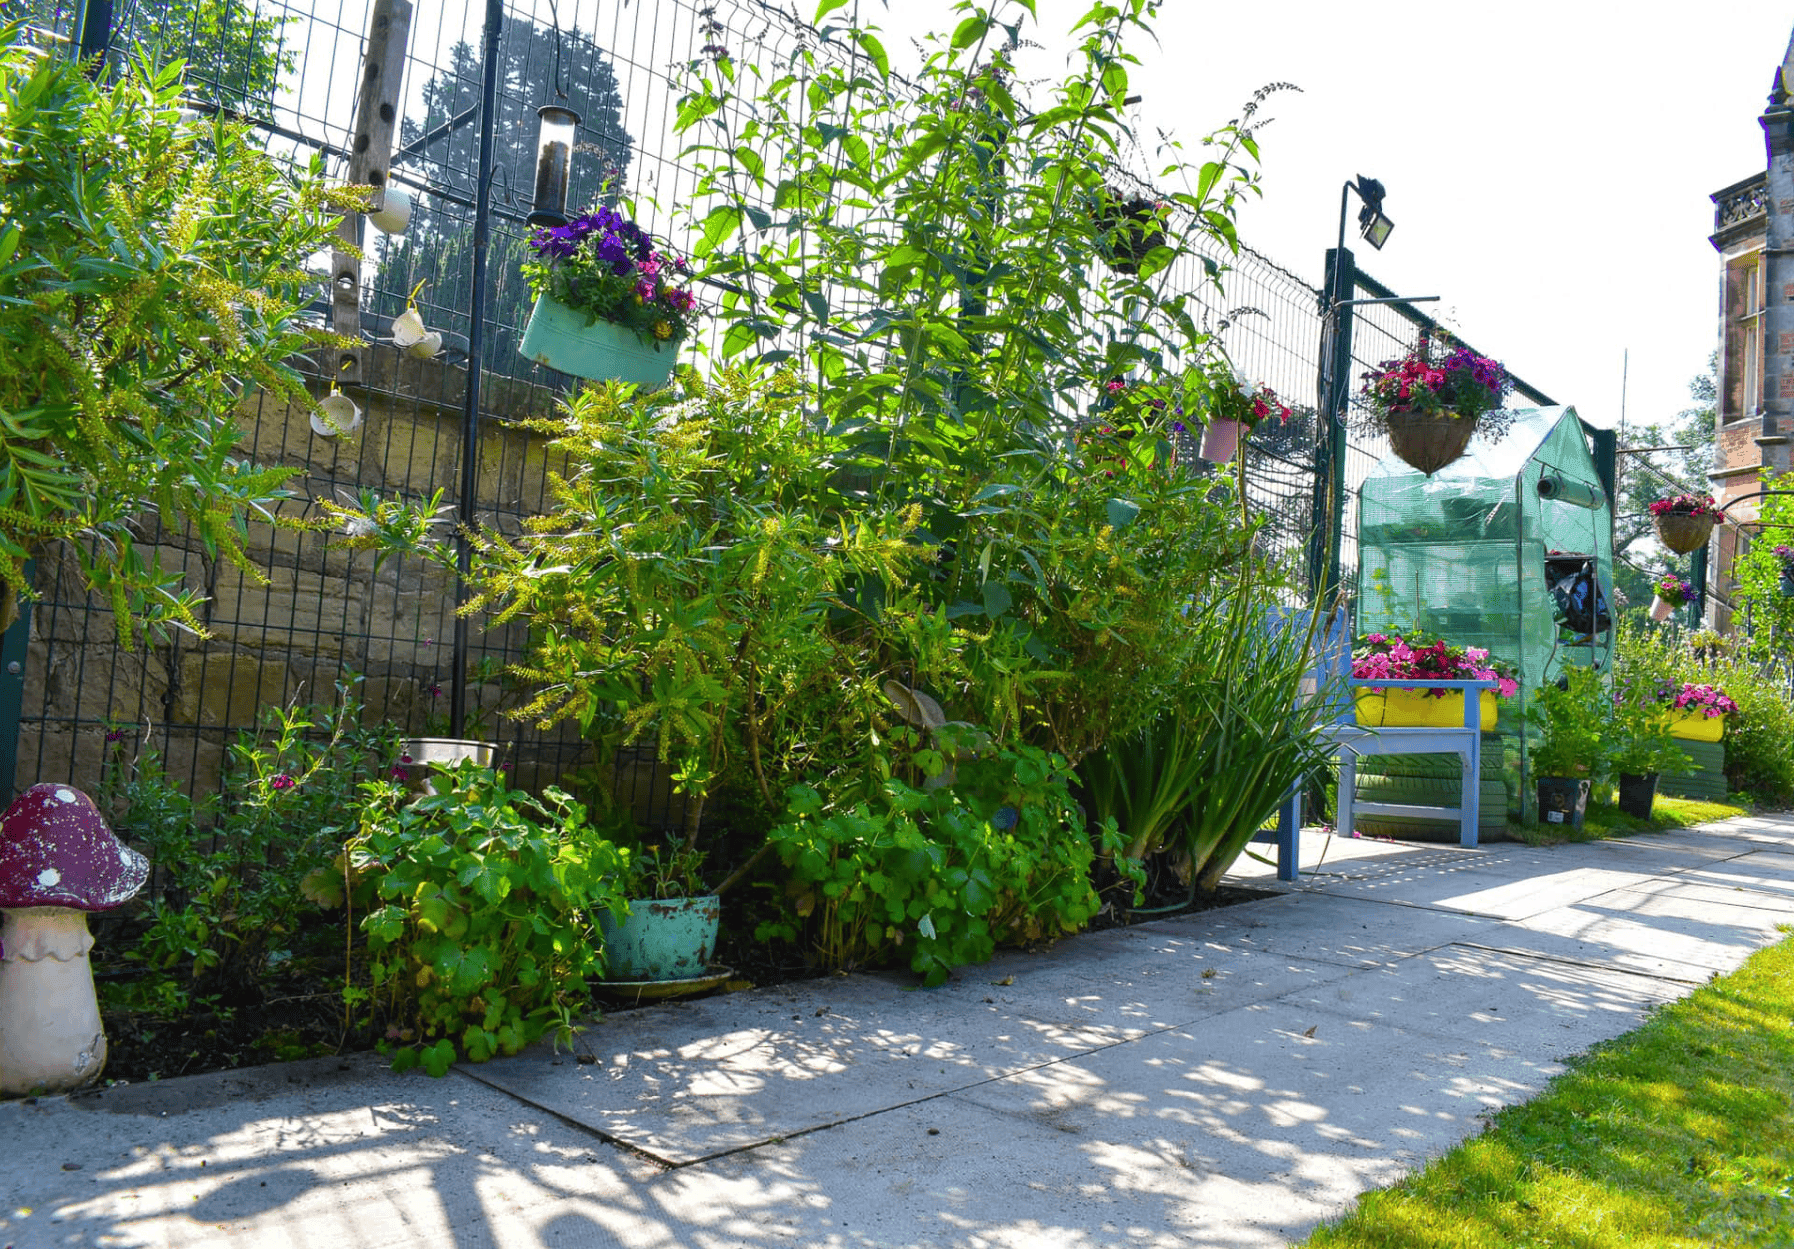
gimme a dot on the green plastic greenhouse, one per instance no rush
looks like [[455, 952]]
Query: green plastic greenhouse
[[1509, 548]]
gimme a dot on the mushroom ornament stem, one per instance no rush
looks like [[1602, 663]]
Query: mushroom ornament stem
[[50, 1034], [58, 861]]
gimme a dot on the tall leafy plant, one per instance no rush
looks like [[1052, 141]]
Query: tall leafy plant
[[149, 272], [930, 258], [1223, 754]]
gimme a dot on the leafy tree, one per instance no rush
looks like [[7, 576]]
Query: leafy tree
[[438, 246], [148, 273]]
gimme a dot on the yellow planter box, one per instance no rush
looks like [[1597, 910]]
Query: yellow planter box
[[1413, 709], [1692, 726]]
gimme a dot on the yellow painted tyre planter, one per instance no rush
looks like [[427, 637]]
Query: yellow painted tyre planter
[[1413, 709], [1692, 726]]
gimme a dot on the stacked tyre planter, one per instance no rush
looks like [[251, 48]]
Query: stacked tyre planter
[[1433, 781], [1705, 778]]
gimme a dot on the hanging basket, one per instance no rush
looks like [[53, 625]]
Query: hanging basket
[[1132, 224], [571, 342], [1220, 440], [1428, 441], [1681, 532], [1787, 583]]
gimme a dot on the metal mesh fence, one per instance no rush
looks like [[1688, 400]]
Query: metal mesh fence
[[291, 67]]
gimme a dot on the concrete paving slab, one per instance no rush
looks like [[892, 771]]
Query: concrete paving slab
[[1321, 925], [1495, 895], [1768, 871], [1466, 993], [1779, 901], [1298, 1107], [304, 1154], [799, 1058], [1653, 945], [1692, 914]]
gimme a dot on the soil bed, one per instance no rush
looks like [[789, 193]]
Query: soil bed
[[300, 1013]]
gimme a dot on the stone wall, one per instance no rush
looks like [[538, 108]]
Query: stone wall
[[316, 614]]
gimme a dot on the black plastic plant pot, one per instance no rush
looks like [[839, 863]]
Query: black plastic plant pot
[[1562, 801], [1637, 793]]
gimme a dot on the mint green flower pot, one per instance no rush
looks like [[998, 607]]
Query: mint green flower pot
[[572, 343], [662, 939]]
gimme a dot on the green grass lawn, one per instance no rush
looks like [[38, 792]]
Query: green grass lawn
[[1606, 820], [1680, 1133]]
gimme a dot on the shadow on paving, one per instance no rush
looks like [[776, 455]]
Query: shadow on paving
[[1226, 1079]]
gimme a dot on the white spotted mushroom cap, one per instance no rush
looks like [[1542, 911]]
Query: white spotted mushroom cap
[[55, 850]]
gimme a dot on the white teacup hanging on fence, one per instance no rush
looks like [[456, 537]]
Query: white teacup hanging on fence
[[394, 213], [336, 414], [409, 333], [408, 328]]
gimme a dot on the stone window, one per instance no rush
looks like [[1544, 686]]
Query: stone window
[[1743, 392]]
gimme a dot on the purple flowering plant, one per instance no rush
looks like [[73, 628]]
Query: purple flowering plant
[[606, 266], [1785, 554]]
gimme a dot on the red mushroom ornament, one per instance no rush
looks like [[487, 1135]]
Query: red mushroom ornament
[[58, 860]]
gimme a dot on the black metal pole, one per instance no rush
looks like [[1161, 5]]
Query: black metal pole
[[476, 336], [1329, 436], [95, 32]]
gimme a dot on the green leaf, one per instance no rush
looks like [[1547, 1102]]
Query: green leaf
[[438, 1058], [996, 599], [874, 49], [1121, 513], [721, 224], [970, 31], [824, 8]]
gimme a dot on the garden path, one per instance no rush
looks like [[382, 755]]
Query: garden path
[[1230, 1078]]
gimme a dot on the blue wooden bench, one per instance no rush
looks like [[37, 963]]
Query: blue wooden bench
[[1350, 740]]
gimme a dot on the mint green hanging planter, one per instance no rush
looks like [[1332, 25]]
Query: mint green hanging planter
[[662, 939], [571, 342]]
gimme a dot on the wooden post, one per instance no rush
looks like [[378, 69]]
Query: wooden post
[[376, 117]]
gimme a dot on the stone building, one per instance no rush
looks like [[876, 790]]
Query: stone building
[[1753, 231]]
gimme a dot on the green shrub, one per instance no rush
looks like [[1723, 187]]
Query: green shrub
[[1242, 729], [1571, 717], [233, 869], [1759, 740], [150, 271], [476, 905], [941, 875]]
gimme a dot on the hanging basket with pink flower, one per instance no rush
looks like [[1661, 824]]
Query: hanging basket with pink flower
[[1414, 655], [1430, 401], [1235, 406], [1669, 593], [1685, 522], [609, 303]]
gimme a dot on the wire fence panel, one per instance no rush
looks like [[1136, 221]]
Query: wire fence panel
[[292, 68]]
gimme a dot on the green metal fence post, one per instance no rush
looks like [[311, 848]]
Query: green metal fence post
[[1330, 437]]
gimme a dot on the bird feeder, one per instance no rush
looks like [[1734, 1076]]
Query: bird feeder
[[58, 861], [554, 163]]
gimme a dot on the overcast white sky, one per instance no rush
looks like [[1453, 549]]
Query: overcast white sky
[[1548, 162]]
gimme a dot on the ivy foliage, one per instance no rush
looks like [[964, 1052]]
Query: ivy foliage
[[149, 274]]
